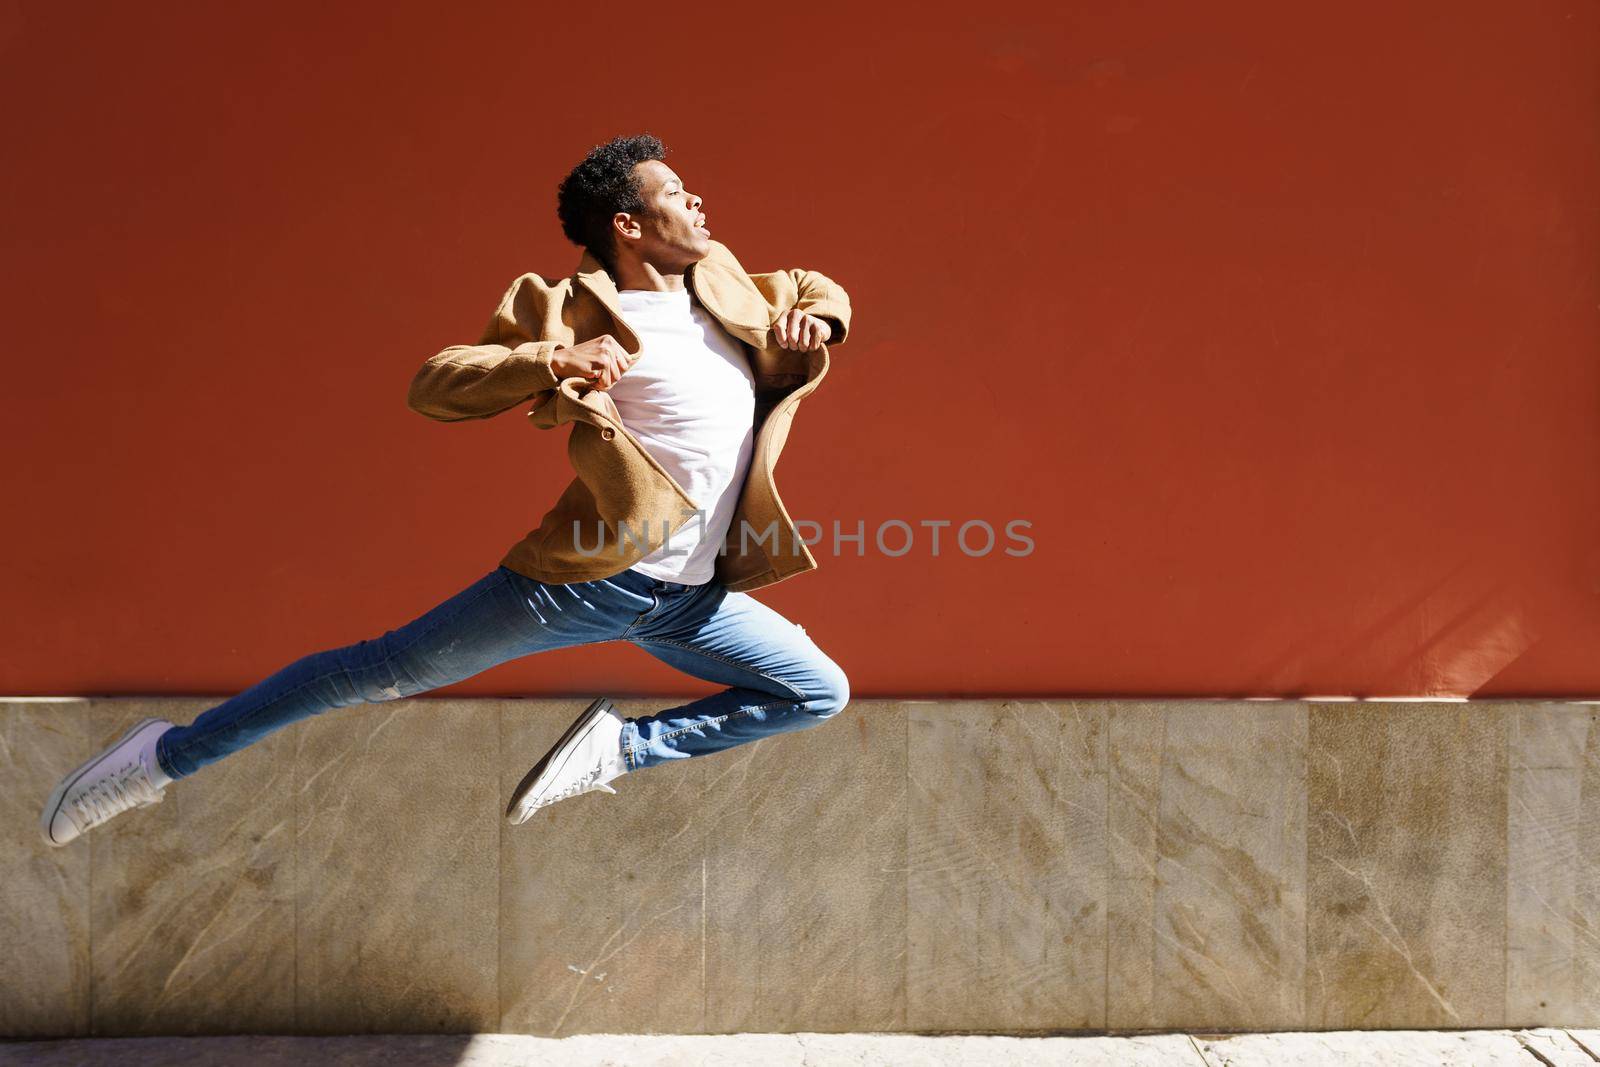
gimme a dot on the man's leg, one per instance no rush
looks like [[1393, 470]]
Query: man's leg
[[502, 616], [779, 679]]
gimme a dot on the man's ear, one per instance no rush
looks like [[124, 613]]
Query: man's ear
[[626, 225]]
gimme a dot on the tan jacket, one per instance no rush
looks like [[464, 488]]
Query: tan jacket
[[622, 501]]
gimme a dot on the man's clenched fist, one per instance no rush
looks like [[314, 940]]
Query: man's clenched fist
[[601, 360], [797, 330]]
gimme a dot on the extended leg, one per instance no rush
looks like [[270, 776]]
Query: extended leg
[[488, 623], [499, 617]]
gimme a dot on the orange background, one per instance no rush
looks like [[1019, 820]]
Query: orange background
[[1278, 325]]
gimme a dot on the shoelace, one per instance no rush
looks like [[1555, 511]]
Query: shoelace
[[582, 784], [128, 786]]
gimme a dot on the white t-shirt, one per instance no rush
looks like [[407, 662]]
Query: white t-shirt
[[690, 400]]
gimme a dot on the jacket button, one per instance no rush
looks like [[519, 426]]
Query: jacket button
[[607, 432]]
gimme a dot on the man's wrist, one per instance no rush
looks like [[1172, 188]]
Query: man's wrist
[[538, 356]]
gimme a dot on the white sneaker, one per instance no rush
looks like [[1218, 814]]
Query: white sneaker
[[588, 756], [123, 776]]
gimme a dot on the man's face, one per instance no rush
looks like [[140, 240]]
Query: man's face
[[670, 230]]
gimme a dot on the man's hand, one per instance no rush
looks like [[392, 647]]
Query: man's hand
[[601, 360], [797, 330]]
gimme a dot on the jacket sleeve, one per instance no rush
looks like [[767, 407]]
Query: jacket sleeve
[[507, 366], [809, 291]]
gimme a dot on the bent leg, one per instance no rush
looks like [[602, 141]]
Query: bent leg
[[501, 616], [779, 679]]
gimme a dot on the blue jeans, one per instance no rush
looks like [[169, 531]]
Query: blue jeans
[[778, 679]]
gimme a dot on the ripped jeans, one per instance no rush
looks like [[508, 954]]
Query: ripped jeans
[[778, 679]]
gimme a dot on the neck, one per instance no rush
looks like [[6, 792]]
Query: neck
[[633, 273]]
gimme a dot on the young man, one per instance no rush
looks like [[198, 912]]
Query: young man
[[679, 374]]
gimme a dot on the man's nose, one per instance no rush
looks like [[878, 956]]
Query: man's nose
[[694, 199]]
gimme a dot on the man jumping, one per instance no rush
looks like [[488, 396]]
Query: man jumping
[[679, 375]]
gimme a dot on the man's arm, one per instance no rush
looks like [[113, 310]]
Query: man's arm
[[506, 367], [811, 292]]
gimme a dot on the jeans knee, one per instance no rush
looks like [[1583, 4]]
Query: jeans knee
[[832, 692]]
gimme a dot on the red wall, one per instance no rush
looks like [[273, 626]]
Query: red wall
[[1278, 324]]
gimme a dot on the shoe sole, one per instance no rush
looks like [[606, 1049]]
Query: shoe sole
[[580, 727], [52, 807]]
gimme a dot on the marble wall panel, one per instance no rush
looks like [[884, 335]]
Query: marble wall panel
[[396, 846], [192, 899], [1006, 855], [1206, 849], [805, 866], [603, 899], [1553, 866], [44, 893], [1406, 866]]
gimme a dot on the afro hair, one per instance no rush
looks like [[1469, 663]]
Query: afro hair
[[599, 187]]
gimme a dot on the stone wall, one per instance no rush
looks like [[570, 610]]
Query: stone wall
[[1005, 865]]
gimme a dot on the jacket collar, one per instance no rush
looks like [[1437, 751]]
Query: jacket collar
[[713, 283]]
